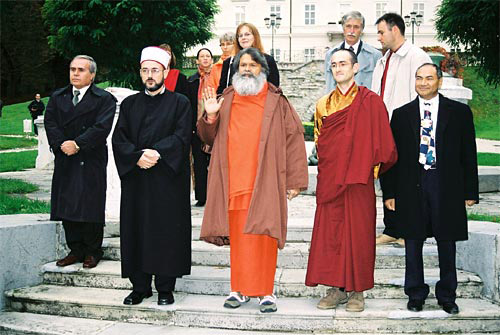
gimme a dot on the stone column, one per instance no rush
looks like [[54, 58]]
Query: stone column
[[113, 191], [45, 158]]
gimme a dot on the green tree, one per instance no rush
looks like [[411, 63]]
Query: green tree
[[473, 25], [114, 32]]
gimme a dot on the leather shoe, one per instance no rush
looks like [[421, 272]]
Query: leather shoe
[[165, 298], [415, 305], [68, 260], [450, 307], [135, 297], [90, 262], [200, 203]]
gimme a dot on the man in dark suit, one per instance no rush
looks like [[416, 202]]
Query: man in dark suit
[[433, 180], [36, 108], [78, 120]]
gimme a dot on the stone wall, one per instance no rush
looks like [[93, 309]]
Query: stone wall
[[303, 84], [27, 241]]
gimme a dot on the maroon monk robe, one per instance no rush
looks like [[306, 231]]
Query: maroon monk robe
[[351, 142]]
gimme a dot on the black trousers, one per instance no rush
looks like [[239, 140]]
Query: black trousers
[[201, 160], [84, 238], [415, 286], [35, 129], [141, 282]]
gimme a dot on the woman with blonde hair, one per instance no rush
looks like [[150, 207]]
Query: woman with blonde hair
[[247, 36]]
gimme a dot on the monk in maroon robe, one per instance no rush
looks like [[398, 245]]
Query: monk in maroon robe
[[354, 144]]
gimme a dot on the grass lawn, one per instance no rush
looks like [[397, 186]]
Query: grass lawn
[[488, 159], [484, 105], [13, 202], [483, 217], [17, 161], [17, 142]]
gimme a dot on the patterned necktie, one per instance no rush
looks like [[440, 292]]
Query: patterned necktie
[[427, 155], [351, 48], [75, 98]]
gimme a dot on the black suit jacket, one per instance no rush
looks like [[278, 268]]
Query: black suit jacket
[[228, 71], [456, 160]]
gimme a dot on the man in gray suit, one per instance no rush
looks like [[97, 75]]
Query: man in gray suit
[[353, 24]]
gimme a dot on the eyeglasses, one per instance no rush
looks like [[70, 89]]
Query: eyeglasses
[[340, 65], [152, 71], [245, 35], [225, 45]]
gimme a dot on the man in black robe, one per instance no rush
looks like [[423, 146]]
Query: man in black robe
[[78, 120], [151, 149]]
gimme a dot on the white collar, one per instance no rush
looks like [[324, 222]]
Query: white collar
[[355, 46], [82, 91], [434, 101]]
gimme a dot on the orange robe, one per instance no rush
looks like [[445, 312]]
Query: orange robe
[[253, 257], [213, 80]]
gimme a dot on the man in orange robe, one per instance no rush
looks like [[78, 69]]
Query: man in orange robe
[[258, 157], [353, 137]]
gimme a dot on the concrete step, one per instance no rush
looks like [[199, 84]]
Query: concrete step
[[293, 315], [15, 323], [216, 281], [293, 256]]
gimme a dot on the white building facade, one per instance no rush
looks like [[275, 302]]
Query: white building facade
[[309, 27]]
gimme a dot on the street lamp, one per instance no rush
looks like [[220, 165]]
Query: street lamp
[[273, 23], [414, 20]]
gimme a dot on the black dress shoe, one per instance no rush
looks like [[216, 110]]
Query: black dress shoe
[[415, 305], [450, 307], [135, 297], [165, 298]]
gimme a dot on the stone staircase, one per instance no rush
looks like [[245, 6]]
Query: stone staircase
[[73, 300]]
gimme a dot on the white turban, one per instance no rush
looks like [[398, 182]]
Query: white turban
[[155, 54]]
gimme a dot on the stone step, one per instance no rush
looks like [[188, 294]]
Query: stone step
[[216, 281], [293, 315], [15, 323], [293, 256]]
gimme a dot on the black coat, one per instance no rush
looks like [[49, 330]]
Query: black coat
[[36, 108], [456, 161], [155, 208], [228, 72], [79, 181]]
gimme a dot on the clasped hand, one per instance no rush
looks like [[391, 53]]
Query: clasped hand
[[148, 159], [69, 147]]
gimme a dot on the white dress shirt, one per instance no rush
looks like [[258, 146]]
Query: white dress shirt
[[82, 90], [355, 46]]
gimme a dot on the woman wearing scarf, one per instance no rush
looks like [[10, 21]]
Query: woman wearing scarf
[[175, 81], [197, 83], [227, 46]]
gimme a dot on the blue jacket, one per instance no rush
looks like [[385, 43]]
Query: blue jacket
[[367, 58]]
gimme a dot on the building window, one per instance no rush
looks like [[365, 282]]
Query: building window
[[344, 8], [308, 55], [418, 7], [310, 14], [277, 55], [239, 12], [380, 9], [276, 9]]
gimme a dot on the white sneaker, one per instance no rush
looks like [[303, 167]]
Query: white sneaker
[[235, 299], [268, 304]]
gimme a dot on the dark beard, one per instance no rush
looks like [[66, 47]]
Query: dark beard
[[156, 87]]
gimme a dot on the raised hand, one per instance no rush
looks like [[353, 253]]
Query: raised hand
[[211, 104]]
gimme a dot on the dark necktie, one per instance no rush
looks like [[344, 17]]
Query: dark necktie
[[351, 48], [427, 156], [75, 97]]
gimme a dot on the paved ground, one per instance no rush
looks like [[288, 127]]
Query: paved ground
[[302, 206]]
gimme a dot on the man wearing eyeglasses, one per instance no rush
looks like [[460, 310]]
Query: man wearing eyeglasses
[[353, 139], [151, 147]]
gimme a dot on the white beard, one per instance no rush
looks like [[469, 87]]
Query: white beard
[[248, 85]]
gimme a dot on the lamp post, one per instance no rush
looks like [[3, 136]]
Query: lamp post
[[274, 23], [415, 20]]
